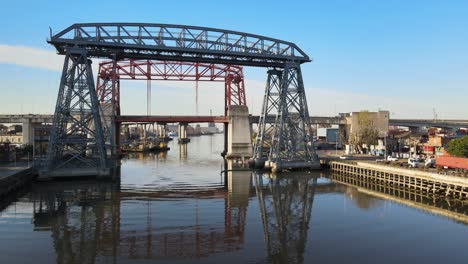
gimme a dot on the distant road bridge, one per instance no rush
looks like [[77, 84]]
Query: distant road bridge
[[329, 120], [30, 118], [332, 120], [447, 123], [32, 122], [216, 119]]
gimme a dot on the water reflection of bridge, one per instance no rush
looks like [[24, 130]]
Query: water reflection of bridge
[[94, 221], [286, 215], [87, 223], [91, 221]]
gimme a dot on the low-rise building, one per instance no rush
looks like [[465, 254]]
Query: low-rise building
[[356, 121]]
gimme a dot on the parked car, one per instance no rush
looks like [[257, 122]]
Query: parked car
[[345, 157], [429, 162], [390, 158], [413, 162]]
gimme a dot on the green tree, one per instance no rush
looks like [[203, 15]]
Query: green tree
[[458, 147], [366, 133]]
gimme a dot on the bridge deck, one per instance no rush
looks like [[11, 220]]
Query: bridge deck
[[171, 119]]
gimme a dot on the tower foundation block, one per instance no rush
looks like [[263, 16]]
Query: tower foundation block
[[239, 132]]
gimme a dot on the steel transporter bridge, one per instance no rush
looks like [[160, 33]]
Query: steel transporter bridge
[[84, 136]]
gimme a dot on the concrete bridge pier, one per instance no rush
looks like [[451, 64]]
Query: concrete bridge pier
[[183, 139], [157, 130], [143, 128], [239, 138], [28, 131], [162, 131]]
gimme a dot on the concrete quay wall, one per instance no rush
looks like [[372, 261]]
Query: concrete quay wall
[[426, 182]]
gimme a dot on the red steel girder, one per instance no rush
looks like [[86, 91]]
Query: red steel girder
[[171, 119], [169, 71]]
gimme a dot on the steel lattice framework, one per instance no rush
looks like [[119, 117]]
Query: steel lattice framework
[[77, 138], [288, 142], [271, 102], [291, 142], [178, 43]]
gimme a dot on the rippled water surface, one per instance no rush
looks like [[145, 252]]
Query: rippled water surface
[[179, 208]]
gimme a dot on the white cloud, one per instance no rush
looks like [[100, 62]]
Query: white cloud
[[31, 57]]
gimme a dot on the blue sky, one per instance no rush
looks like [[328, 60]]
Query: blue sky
[[405, 56]]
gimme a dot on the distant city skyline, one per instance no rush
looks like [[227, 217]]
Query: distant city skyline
[[408, 57]]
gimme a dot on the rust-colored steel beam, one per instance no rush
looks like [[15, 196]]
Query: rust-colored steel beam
[[171, 119]]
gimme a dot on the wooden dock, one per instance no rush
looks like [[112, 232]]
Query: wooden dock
[[421, 181]]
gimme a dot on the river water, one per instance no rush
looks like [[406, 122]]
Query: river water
[[179, 208]]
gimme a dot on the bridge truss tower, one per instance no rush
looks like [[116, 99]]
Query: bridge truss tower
[[77, 136], [288, 143]]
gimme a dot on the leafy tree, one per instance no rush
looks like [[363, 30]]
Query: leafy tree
[[367, 133], [458, 147]]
